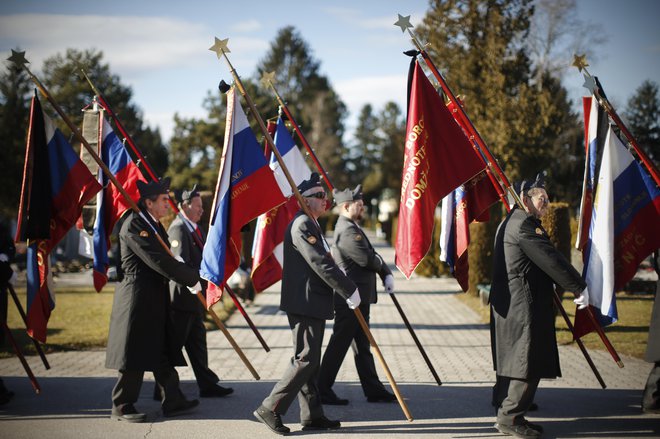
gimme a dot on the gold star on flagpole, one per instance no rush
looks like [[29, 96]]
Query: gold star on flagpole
[[268, 79], [18, 58], [403, 22], [580, 61], [220, 47]]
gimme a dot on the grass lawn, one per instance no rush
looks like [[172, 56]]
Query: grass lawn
[[628, 336], [80, 320]]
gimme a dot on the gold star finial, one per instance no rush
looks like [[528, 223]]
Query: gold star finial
[[580, 61], [403, 22], [220, 47], [268, 78], [18, 58]]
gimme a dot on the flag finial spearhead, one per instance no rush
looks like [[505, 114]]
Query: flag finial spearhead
[[403, 22], [268, 79], [18, 58], [220, 47], [580, 61]]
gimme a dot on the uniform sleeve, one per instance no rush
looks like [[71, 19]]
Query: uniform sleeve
[[308, 242], [535, 243], [141, 239], [353, 245]]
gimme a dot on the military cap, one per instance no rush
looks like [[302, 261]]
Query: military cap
[[527, 185], [313, 182], [152, 188], [185, 195], [347, 194]]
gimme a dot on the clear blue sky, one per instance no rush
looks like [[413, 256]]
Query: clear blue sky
[[160, 48]]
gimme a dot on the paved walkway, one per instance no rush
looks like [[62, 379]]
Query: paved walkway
[[75, 401]]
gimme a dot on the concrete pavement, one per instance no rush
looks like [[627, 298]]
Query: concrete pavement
[[75, 398]]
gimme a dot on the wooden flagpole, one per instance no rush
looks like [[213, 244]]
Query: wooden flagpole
[[268, 80], [143, 160], [221, 50], [19, 59]]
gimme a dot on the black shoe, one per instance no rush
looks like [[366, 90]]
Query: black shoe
[[321, 423], [179, 407], [271, 419], [536, 427], [651, 410], [6, 396], [217, 391], [533, 407], [523, 431], [127, 413], [333, 399], [382, 397]]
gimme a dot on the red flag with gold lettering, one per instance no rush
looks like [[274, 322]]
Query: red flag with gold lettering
[[437, 159]]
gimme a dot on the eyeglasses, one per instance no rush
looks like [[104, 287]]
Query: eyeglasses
[[319, 195]]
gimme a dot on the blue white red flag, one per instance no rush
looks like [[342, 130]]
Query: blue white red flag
[[246, 188], [110, 203], [267, 253], [56, 185], [623, 231], [595, 129]]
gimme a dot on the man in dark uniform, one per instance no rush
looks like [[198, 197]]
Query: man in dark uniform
[[525, 268], [140, 336], [7, 277], [309, 275], [187, 311], [357, 258], [651, 397]]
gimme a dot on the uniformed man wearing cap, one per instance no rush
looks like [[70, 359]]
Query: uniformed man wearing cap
[[525, 268], [309, 276], [140, 337], [187, 241], [359, 260]]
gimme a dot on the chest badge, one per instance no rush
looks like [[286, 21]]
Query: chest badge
[[539, 231], [144, 234], [175, 243], [311, 240], [358, 237]]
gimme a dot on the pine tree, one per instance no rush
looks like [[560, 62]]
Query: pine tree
[[15, 87], [643, 118], [60, 75]]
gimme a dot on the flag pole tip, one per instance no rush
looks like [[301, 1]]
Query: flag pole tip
[[580, 61], [403, 22], [268, 78], [220, 47], [18, 58]]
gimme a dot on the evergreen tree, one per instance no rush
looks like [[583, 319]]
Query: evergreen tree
[[15, 88], [363, 155], [643, 118], [310, 98], [60, 76]]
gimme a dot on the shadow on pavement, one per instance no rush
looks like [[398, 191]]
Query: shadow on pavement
[[448, 409]]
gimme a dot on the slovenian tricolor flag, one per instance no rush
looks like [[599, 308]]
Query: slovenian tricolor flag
[[623, 231], [110, 203], [246, 188], [56, 185], [267, 250]]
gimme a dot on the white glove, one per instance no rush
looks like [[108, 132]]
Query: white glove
[[582, 301], [179, 258], [388, 282], [4, 257], [195, 288], [354, 301]]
